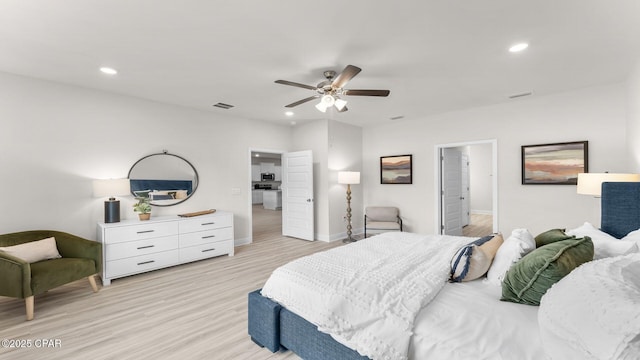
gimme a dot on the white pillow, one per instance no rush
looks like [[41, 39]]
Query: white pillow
[[633, 236], [34, 251], [594, 312], [517, 245], [604, 245]]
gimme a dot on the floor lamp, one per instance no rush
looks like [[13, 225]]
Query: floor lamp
[[349, 178]]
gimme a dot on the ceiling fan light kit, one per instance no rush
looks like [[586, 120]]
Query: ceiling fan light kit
[[329, 90], [327, 101]]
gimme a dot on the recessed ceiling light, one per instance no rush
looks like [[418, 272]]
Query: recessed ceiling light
[[108, 70], [518, 47], [289, 113]]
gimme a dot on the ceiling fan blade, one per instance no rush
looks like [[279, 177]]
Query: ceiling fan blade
[[347, 74], [366, 92], [302, 101], [291, 83]]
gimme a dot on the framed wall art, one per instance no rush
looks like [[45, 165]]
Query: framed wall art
[[557, 164], [396, 169]]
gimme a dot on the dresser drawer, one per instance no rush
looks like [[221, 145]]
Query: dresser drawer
[[205, 223], [204, 237], [138, 264], [139, 232], [204, 251], [140, 247]]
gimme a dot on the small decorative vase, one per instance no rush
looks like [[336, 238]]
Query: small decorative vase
[[146, 216]]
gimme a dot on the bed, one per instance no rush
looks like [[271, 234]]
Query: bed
[[460, 320], [162, 192]]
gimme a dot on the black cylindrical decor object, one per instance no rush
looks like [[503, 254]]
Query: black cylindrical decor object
[[112, 211]]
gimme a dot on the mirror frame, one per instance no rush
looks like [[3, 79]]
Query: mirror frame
[[195, 172]]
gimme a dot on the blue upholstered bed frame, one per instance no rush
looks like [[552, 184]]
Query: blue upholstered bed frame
[[274, 327], [148, 184]]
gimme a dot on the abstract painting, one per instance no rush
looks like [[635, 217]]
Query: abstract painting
[[557, 164], [395, 169]]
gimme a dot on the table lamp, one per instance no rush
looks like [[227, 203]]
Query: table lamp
[[111, 188]]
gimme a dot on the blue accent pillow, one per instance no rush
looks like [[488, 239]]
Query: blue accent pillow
[[469, 262]]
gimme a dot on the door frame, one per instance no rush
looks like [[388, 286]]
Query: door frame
[[438, 179], [250, 182]]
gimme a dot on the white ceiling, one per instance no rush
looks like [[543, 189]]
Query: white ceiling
[[434, 56]]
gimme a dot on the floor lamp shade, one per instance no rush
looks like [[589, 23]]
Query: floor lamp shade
[[111, 188], [348, 177]]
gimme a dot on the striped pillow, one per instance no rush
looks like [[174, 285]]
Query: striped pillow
[[473, 260]]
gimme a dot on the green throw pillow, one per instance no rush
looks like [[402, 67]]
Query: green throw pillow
[[551, 236], [530, 278]]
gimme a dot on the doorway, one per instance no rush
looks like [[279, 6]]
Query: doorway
[[266, 208], [466, 188]]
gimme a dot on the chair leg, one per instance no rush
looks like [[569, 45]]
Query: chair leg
[[92, 281], [28, 302]]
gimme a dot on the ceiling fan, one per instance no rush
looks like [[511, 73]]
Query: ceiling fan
[[330, 90]]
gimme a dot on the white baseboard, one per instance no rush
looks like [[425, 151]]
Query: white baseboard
[[482, 212], [340, 236], [240, 242]]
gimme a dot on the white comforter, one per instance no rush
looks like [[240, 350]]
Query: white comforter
[[367, 295]]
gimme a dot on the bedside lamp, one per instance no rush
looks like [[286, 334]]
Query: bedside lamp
[[349, 178], [111, 188], [591, 183]]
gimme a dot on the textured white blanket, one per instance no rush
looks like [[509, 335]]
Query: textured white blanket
[[366, 295]]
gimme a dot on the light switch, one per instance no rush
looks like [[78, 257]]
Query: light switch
[[235, 191]]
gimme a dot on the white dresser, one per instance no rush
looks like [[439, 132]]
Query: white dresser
[[132, 246]]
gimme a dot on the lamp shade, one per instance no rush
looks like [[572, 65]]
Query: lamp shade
[[348, 177], [111, 187], [591, 183], [340, 104]]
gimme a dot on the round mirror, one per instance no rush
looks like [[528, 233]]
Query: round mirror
[[164, 178]]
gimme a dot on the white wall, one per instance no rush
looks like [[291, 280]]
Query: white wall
[[336, 146], [481, 178], [595, 114], [56, 139], [633, 119], [345, 154]]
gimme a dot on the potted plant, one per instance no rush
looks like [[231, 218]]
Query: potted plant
[[143, 208]]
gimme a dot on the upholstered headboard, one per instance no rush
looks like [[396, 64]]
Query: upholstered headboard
[[620, 208], [144, 184]]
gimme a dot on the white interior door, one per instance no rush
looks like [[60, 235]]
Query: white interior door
[[466, 204], [451, 192], [297, 195]]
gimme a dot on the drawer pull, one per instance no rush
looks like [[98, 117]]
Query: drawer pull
[[146, 262], [206, 250], [209, 223], [145, 247], [208, 237], [145, 231]]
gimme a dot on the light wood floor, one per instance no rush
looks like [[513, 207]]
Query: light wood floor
[[192, 311], [480, 225]]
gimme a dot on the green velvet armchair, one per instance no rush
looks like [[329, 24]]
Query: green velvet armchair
[[81, 258]]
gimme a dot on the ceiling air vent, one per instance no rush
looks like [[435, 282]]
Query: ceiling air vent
[[223, 105]]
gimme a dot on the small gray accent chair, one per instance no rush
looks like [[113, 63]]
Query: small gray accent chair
[[380, 219]]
